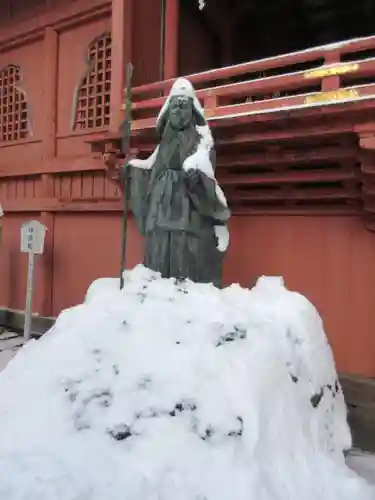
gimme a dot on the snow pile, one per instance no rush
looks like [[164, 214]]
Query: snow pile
[[171, 390]]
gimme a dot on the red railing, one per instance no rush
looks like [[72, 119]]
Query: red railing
[[324, 75]]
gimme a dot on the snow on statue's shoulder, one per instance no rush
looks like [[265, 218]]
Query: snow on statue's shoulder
[[174, 390]]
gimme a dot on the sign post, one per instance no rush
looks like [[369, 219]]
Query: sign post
[[32, 242]]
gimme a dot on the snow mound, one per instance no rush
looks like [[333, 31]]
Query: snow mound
[[171, 390]]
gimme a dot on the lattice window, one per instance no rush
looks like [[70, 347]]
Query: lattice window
[[92, 106], [14, 124]]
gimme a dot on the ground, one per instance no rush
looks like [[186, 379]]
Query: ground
[[10, 342]]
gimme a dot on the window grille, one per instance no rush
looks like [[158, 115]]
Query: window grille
[[14, 123], [93, 93]]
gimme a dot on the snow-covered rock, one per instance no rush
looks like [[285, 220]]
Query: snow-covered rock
[[171, 390]]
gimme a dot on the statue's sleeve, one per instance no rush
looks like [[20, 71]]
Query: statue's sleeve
[[137, 192], [206, 194], [138, 172]]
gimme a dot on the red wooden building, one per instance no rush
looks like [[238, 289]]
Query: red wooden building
[[295, 135]]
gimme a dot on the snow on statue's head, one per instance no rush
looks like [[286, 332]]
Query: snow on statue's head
[[181, 108]]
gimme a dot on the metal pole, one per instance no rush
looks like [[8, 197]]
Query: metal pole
[[29, 297], [162, 41]]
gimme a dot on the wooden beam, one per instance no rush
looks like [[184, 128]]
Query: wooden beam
[[122, 52], [58, 205], [62, 16], [305, 194], [294, 134], [295, 210], [89, 163], [171, 42], [55, 205], [290, 177], [305, 156], [62, 165]]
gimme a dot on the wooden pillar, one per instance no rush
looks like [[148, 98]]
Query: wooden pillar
[[50, 77], [47, 265], [50, 92], [122, 30], [172, 16]]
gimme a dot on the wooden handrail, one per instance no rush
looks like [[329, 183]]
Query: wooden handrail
[[288, 81], [282, 60], [278, 104], [326, 81]]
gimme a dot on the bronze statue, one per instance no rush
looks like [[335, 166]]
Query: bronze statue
[[179, 207]]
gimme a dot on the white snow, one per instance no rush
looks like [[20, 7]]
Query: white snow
[[200, 160], [177, 391], [222, 235]]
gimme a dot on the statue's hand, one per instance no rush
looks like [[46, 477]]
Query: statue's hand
[[113, 162]]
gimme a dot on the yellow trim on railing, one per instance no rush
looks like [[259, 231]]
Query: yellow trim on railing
[[340, 69], [336, 95]]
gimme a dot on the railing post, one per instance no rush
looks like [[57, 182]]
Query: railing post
[[210, 105], [330, 83]]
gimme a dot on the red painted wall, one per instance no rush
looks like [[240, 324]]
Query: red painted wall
[[88, 247], [330, 260]]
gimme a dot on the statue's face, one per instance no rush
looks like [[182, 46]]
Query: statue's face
[[180, 112]]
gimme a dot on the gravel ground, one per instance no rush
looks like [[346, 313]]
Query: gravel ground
[[10, 342], [362, 463]]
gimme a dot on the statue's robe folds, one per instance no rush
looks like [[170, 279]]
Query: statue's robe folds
[[177, 211]]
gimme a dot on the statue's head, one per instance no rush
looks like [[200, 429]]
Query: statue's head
[[180, 112], [181, 108]]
